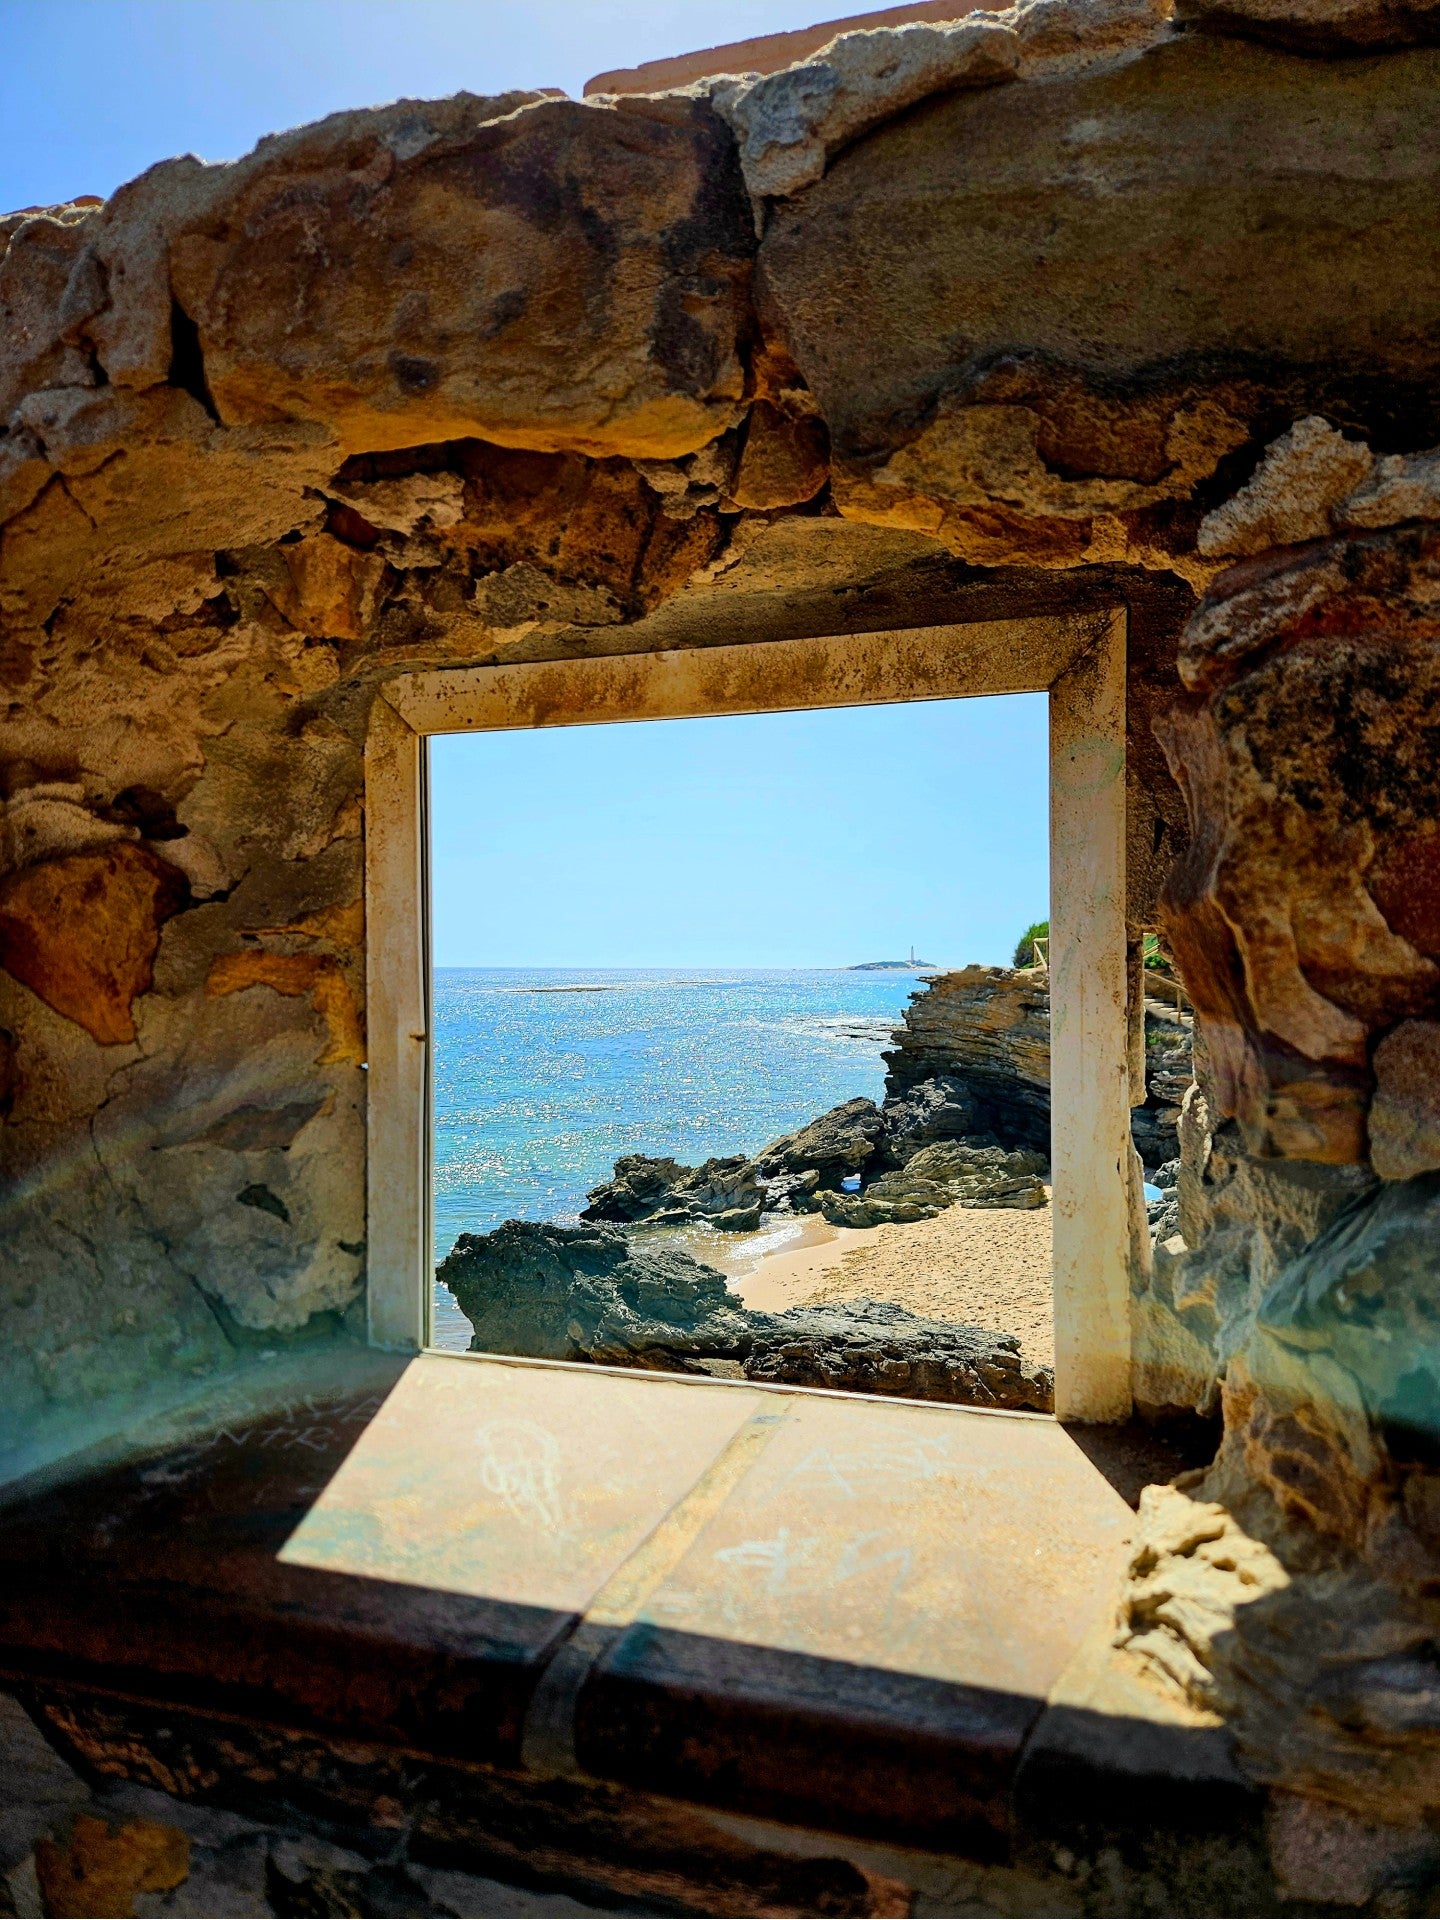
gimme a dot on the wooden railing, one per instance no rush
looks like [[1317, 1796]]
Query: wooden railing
[[1163, 987]]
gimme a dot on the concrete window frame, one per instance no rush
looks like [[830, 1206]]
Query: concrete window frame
[[1077, 659]]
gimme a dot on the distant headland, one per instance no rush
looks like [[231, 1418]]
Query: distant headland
[[890, 966]]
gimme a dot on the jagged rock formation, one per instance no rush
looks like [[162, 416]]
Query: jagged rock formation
[[842, 1142], [1169, 1072], [941, 1108], [1290, 1587], [1233, 1224], [984, 1034], [1302, 916], [1164, 1214], [946, 1174], [1015, 454], [594, 1293], [873, 1346], [921, 1136], [725, 1192], [591, 1293], [989, 1029]]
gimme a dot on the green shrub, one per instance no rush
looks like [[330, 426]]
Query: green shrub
[[1025, 949]]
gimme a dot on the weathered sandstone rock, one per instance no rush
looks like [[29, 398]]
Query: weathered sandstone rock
[[592, 1293], [1309, 1621], [946, 1174], [37, 257], [1163, 1219], [941, 1108], [1049, 393], [989, 1029], [554, 540], [785, 460], [461, 383], [1191, 1562], [1237, 1221], [1313, 481], [82, 932], [541, 198], [1169, 1074], [983, 1034], [1405, 1113], [132, 496], [1319, 26], [1302, 915], [1401, 486], [788, 124], [1363, 1290], [1305, 474]]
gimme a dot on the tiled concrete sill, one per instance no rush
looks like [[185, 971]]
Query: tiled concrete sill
[[823, 1610]]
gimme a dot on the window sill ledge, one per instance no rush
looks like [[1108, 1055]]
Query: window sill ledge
[[838, 1614]]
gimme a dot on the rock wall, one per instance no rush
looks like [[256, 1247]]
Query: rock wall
[[1303, 917], [1079, 305], [988, 1028]]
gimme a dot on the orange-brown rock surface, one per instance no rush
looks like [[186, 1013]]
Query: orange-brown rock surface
[[82, 933], [1306, 755], [607, 256]]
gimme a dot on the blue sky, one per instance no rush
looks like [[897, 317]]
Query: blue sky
[[783, 839], [789, 839], [92, 91]]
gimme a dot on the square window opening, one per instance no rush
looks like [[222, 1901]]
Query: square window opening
[[524, 1073]]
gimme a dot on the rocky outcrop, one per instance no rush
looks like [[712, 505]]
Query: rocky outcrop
[[948, 1173], [595, 1293], [873, 1346], [591, 1293], [1405, 1114], [1290, 1588], [1223, 1235], [1169, 1073], [844, 1141], [724, 1192], [551, 195], [1318, 26], [788, 124], [1302, 916], [940, 1108], [912, 1158], [982, 1034], [483, 381], [989, 1029], [82, 932]]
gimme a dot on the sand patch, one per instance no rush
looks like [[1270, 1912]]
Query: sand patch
[[984, 1267]]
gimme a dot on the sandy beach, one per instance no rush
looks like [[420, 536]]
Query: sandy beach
[[990, 1268]]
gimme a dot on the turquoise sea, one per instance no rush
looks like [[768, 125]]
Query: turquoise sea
[[543, 1077]]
